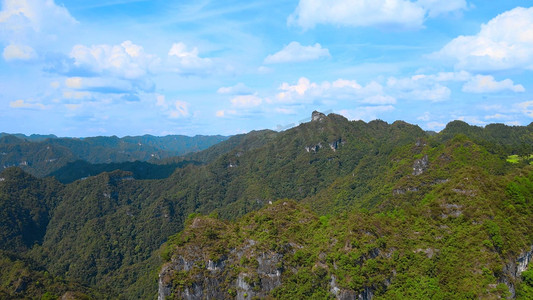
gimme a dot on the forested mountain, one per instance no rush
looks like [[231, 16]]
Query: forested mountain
[[367, 209], [41, 155]]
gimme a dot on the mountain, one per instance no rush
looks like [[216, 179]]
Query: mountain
[[366, 207], [452, 222], [42, 155]]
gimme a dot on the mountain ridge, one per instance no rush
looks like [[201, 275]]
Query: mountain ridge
[[106, 230]]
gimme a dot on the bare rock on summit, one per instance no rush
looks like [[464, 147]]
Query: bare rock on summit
[[317, 116]]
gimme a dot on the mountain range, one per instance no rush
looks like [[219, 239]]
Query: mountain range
[[331, 208]]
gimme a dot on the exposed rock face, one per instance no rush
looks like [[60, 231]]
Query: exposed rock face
[[336, 144], [332, 145], [513, 270], [313, 148], [420, 165], [210, 279], [317, 116]]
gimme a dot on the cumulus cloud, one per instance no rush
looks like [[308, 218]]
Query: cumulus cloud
[[23, 104], [26, 23], [362, 13], [305, 91], [505, 42], [18, 52], [294, 52], [366, 113], [39, 15], [126, 60], [187, 61], [432, 87], [487, 84]]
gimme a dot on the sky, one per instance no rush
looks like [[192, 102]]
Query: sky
[[132, 67]]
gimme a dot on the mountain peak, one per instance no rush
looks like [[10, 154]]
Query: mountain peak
[[317, 116]]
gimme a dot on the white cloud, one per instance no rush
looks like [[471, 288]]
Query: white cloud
[[179, 109], [126, 60], [76, 95], [23, 104], [487, 84], [379, 99], [285, 111], [418, 87], [437, 126], [226, 113], [173, 109], [238, 89], [505, 42], [380, 13], [294, 52], [342, 83], [526, 108], [246, 101], [446, 76], [425, 117], [55, 84], [24, 24], [39, 15], [471, 120], [366, 113], [496, 117], [73, 82], [100, 84], [438, 7], [400, 13], [305, 91], [183, 60], [18, 52]]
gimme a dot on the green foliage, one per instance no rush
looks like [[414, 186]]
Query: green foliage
[[445, 233], [42, 155]]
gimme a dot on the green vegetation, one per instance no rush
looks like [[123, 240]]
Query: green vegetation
[[359, 212], [42, 155]]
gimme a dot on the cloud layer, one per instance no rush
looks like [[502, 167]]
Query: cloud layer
[[505, 42], [381, 13], [294, 52]]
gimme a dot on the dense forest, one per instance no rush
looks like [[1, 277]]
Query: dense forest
[[42, 155], [331, 208]]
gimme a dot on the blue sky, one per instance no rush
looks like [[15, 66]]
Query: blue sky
[[133, 67]]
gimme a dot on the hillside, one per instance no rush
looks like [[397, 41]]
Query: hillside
[[372, 205], [452, 224], [42, 155]]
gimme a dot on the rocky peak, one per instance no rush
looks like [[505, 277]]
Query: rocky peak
[[317, 116]]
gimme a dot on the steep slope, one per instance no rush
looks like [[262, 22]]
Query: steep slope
[[26, 205], [452, 222], [116, 225], [106, 230]]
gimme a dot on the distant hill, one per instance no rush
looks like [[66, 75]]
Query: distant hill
[[42, 155]]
